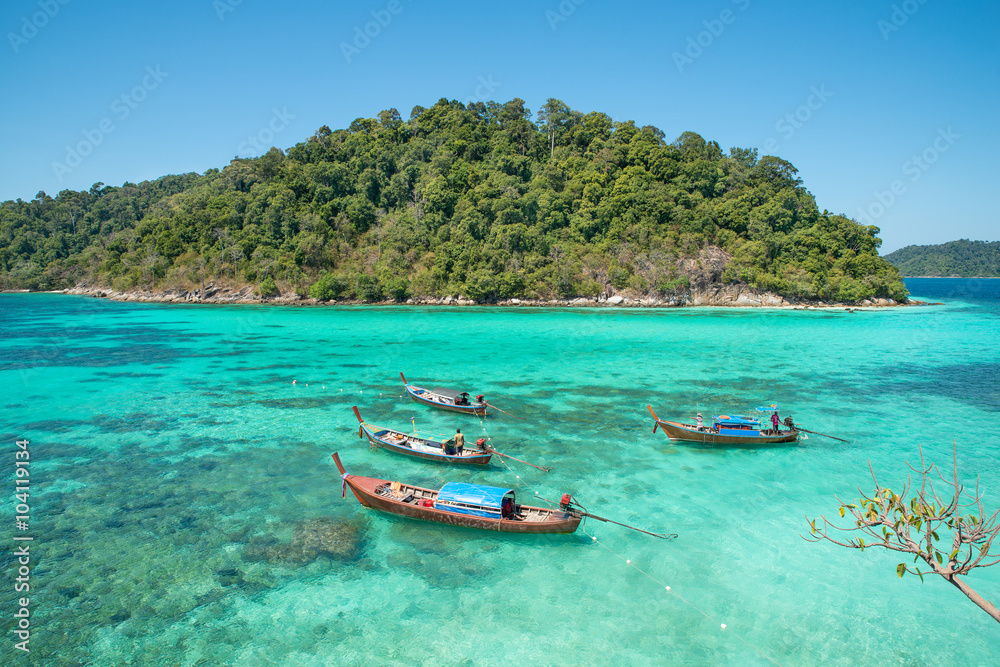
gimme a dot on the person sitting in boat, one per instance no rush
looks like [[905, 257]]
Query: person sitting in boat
[[461, 399], [507, 508], [775, 421]]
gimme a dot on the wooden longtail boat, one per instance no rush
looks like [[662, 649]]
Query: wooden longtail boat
[[458, 504], [447, 399], [725, 430], [422, 448]]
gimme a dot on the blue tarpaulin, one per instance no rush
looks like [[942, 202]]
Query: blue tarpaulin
[[474, 499]]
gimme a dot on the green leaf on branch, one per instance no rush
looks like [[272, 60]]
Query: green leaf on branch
[[901, 570]]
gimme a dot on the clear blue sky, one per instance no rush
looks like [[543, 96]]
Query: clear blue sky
[[847, 91]]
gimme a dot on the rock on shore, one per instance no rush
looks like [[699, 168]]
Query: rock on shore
[[707, 294], [705, 287]]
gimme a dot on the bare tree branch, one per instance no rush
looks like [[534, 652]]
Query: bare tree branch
[[915, 526]]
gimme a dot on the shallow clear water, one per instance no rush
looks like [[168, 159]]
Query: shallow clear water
[[176, 469]]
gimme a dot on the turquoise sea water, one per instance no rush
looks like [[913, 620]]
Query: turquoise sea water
[[180, 483]]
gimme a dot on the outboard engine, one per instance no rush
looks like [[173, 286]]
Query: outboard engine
[[566, 502], [480, 398]]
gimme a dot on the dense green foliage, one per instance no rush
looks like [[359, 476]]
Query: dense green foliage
[[474, 200], [964, 258]]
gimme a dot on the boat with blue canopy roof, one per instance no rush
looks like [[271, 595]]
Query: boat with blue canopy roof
[[460, 504], [729, 430]]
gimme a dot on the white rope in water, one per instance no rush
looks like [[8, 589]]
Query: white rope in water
[[670, 591], [629, 562], [502, 461]]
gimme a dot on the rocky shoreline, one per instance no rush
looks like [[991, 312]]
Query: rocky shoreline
[[739, 296]]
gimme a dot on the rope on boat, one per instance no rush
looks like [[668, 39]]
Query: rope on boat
[[504, 463], [628, 561], [670, 591]]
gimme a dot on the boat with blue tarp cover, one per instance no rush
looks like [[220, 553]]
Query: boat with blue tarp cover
[[728, 430], [447, 399], [429, 449], [474, 499], [460, 504]]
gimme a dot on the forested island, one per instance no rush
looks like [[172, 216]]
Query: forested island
[[959, 259], [478, 201]]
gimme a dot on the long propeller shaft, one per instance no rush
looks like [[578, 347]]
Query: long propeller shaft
[[804, 430], [503, 411], [508, 456], [668, 536]]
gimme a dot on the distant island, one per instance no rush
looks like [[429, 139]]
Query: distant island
[[959, 259], [479, 202]]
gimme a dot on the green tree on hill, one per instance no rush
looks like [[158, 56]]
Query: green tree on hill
[[963, 258], [471, 199]]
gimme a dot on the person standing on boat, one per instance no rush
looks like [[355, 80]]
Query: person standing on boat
[[459, 441], [701, 424], [775, 421]]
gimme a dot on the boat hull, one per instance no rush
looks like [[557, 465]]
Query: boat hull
[[363, 489], [466, 458], [478, 409], [690, 433]]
